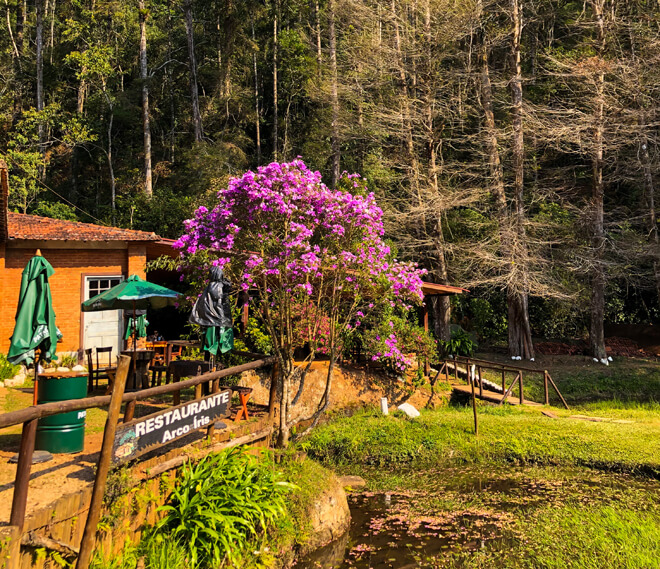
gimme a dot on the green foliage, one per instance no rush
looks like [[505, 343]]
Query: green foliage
[[55, 210], [460, 344], [221, 504], [68, 360], [7, 370]]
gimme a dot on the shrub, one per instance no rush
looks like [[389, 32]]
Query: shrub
[[7, 370], [460, 344], [221, 504]]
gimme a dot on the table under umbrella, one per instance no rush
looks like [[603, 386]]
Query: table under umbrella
[[133, 293]]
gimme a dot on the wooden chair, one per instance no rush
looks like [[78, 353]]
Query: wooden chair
[[105, 368]]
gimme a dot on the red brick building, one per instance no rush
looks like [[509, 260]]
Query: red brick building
[[87, 259]]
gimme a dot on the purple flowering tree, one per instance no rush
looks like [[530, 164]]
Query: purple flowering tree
[[304, 251]]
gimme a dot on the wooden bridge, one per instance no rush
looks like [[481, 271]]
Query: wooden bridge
[[481, 388]]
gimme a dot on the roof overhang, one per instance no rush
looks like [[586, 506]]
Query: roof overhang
[[434, 289]]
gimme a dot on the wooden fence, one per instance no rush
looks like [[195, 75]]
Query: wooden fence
[[60, 527], [477, 380]]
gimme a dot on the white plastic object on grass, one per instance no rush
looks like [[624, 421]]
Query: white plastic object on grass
[[383, 406], [409, 410]]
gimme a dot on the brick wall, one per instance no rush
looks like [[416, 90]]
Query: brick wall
[[66, 284]]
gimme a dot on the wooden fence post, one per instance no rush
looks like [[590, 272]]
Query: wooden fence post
[[129, 412], [545, 387], [210, 432], [474, 404], [23, 469], [557, 390], [481, 383], [89, 535], [520, 382]]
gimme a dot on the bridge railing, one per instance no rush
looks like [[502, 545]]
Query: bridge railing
[[475, 366]]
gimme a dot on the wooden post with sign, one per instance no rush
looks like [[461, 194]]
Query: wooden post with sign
[[89, 535]]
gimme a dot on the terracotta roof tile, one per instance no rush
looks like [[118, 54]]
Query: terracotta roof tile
[[22, 226]]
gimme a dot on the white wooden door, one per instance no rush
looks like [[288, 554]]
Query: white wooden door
[[103, 328]]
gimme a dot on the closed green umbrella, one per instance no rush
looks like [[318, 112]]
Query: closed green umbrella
[[35, 319], [218, 339], [138, 326]]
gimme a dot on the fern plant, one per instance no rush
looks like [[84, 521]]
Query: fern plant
[[460, 344], [221, 504]]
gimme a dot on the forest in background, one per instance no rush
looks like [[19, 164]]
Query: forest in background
[[512, 143]]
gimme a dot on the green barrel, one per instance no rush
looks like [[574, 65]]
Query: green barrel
[[64, 432]]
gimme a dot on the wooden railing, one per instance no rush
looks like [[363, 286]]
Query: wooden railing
[[30, 415], [476, 379]]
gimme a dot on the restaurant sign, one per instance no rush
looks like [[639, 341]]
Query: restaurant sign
[[136, 437]]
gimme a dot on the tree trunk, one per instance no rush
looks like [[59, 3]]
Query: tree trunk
[[597, 330], [257, 120], [520, 334], [148, 190], [649, 192], [18, 62], [192, 71], [405, 104], [39, 46], [317, 30], [440, 305], [275, 102], [334, 95], [51, 39]]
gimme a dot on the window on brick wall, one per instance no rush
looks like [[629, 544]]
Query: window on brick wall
[[97, 285]]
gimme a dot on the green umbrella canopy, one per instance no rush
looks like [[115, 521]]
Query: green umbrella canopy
[[133, 293], [35, 319]]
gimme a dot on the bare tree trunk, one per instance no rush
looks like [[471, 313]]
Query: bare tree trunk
[[192, 64], [275, 101], [111, 170], [257, 120], [317, 30], [148, 190], [440, 305], [15, 53], [520, 334], [39, 46], [649, 192], [597, 330], [51, 39], [18, 61], [405, 104], [336, 152]]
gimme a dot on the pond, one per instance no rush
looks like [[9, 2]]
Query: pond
[[455, 513]]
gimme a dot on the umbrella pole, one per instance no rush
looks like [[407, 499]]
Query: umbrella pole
[[36, 378], [135, 385]]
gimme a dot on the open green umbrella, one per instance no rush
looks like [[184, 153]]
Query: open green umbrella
[[35, 319], [133, 293]]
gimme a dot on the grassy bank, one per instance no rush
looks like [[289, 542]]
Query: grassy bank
[[533, 491], [507, 435]]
